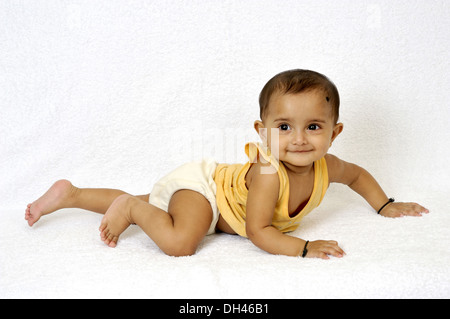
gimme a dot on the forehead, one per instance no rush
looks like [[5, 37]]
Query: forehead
[[302, 105]]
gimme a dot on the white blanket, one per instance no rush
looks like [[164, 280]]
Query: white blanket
[[62, 256], [119, 93]]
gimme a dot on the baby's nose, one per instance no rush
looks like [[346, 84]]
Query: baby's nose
[[299, 138]]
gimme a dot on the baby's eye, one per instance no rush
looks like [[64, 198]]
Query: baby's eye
[[313, 127], [284, 127]]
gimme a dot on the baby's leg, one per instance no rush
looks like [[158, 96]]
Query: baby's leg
[[177, 233], [64, 195]]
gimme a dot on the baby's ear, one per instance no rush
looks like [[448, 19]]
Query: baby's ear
[[261, 130], [338, 128]]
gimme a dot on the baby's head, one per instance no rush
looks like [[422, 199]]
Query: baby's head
[[299, 112], [298, 81]]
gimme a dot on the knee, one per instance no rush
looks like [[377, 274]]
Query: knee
[[179, 253], [180, 247]]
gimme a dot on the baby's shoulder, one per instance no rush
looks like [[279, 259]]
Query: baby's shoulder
[[333, 165], [264, 173], [340, 171], [331, 160]]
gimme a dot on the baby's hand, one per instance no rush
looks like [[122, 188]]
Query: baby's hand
[[394, 210], [323, 248]]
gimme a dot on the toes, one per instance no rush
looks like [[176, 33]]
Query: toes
[[109, 238], [113, 242], [30, 221], [104, 235], [27, 212]]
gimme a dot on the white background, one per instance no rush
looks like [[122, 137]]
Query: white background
[[117, 93]]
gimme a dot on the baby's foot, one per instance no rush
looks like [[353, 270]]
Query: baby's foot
[[115, 221], [55, 198]]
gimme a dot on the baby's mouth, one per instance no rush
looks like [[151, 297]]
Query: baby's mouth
[[300, 151]]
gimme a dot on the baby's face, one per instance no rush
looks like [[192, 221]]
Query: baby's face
[[304, 124]]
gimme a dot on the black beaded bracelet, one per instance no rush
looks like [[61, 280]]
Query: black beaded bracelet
[[391, 200], [305, 250]]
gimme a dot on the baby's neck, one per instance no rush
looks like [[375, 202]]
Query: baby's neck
[[299, 170]]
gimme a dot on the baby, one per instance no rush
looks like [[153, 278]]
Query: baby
[[285, 178]]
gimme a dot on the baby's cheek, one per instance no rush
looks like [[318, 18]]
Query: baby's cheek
[[323, 146]]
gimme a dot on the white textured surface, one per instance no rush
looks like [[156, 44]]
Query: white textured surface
[[62, 256], [117, 93]]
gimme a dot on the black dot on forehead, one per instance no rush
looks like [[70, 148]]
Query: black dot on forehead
[[328, 99]]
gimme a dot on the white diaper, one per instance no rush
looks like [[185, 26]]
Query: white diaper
[[196, 176]]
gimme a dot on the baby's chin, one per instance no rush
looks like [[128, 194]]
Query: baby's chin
[[298, 164]]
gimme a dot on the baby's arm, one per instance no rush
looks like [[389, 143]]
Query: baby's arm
[[365, 185], [261, 201]]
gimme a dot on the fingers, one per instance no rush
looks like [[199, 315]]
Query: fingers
[[417, 210], [325, 248], [405, 209], [334, 250], [412, 209]]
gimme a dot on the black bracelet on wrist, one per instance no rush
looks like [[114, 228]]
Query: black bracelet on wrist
[[391, 200], [305, 250]]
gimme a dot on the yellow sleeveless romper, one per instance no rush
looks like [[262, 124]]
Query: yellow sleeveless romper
[[231, 195]]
